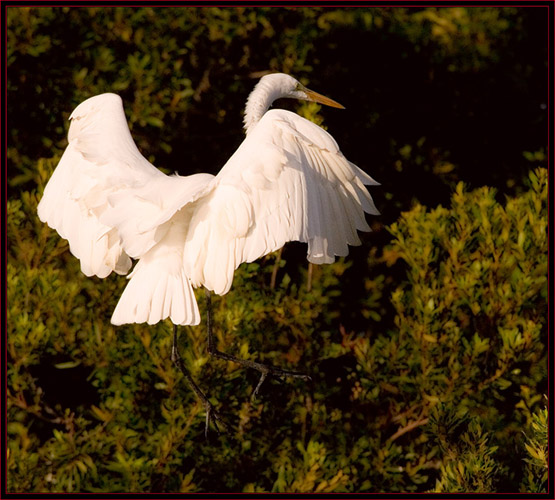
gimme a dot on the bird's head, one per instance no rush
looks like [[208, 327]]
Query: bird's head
[[289, 87]]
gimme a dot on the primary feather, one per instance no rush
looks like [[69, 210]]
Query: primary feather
[[287, 181]]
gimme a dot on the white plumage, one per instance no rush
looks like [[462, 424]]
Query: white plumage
[[287, 181]]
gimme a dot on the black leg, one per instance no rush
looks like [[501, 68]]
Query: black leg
[[211, 413], [264, 369]]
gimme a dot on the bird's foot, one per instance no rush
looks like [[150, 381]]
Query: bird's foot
[[213, 416], [264, 369], [276, 372]]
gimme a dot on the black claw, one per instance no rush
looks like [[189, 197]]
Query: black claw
[[278, 373], [260, 382], [213, 416]]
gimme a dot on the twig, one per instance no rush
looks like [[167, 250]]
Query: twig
[[408, 428]]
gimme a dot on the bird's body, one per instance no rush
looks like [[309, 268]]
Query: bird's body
[[287, 181]]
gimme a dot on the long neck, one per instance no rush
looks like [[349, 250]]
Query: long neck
[[258, 102]]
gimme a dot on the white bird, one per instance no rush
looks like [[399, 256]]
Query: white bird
[[287, 181]]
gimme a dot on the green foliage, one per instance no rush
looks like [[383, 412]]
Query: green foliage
[[466, 38], [537, 467], [184, 73], [161, 60], [468, 463], [473, 287], [475, 309], [435, 403], [427, 356]]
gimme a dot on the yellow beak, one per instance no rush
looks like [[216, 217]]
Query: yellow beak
[[322, 99]]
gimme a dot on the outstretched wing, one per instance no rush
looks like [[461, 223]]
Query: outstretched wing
[[112, 205], [101, 159], [287, 181]]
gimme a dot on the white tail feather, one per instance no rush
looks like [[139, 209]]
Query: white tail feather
[[154, 294], [158, 286]]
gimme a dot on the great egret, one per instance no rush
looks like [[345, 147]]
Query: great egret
[[287, 181]]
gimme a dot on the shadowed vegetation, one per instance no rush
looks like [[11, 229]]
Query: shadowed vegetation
[[426, 345]]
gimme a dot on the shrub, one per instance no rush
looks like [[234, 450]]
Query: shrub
[[449, 398]]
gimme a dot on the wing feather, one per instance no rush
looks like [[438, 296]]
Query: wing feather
[[287, 181], [101, 159], [111, 204]]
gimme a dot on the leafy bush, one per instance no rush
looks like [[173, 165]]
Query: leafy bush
[[537, 468], [184, 74], [426, 346], [438, 402]]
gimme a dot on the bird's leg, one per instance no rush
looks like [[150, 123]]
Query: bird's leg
[[211, 413], [264, 369]]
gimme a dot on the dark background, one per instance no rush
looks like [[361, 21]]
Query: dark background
[[433, 96]]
